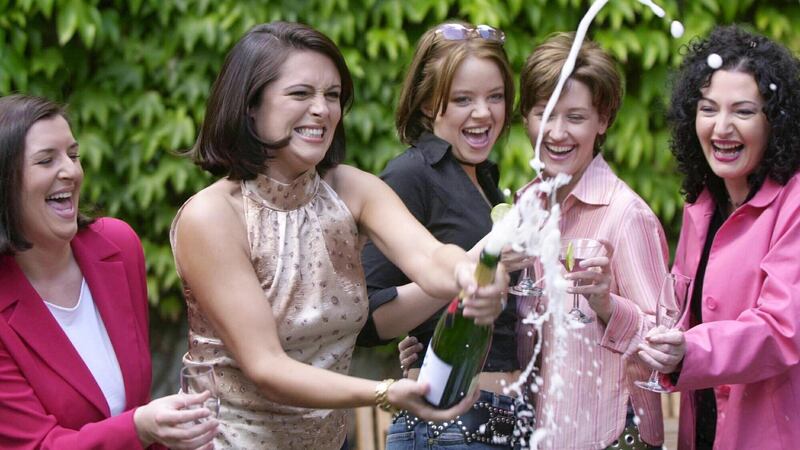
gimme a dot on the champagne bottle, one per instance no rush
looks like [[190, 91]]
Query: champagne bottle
[[458, 349]]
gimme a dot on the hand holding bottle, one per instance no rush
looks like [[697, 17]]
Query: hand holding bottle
[[459, 345], [482, 302], [410, 395]]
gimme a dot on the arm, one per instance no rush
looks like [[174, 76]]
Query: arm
[[763, 340], [429, 263], [639, 266], [213, 257]]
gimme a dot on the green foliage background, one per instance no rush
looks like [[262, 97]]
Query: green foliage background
[[136, 74]]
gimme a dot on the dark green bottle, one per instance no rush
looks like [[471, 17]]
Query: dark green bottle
[[458, 349]]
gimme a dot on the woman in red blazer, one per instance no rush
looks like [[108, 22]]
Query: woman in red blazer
[[52, 259]]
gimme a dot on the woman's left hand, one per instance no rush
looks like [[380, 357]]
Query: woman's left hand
[[664, 349], [484, 303], [595, 282], [410, 395]]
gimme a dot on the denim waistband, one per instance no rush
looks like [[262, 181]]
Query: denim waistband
[[489, 420]]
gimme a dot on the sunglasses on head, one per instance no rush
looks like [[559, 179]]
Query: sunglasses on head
[[458, 32]]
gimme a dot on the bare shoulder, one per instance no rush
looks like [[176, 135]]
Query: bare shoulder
[[344, 178], [354, 186], [215, 213]]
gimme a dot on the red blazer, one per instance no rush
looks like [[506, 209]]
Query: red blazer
[[48, 397]]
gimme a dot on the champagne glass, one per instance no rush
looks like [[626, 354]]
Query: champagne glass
[[573, 251], [197, 378], [672, 300], [526, 286]]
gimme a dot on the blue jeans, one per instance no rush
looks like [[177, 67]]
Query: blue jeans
[[428, 437]]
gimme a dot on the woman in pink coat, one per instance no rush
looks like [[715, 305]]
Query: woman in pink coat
[[735, 113]]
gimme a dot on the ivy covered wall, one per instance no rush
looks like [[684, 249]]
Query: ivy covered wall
[[136, 74]]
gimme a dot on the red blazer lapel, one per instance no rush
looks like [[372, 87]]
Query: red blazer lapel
[[34, 324], [102, 266]]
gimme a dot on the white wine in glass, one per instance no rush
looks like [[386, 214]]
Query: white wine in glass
[[670, 307]]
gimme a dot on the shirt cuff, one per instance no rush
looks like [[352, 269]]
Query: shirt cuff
[[622, 325], [368, 336]]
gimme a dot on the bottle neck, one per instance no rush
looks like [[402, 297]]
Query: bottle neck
[[487, 265]]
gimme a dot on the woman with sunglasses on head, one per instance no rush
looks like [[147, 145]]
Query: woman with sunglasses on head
[[269, 254], [74, 354], [734, 115], [600, 406], [455, 103]]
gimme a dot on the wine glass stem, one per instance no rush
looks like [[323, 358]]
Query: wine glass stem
[[654, 377], [576, 304]]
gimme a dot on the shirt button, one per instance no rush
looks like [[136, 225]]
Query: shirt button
[[711, 303]]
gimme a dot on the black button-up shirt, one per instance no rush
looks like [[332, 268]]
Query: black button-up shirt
[[439, 193]]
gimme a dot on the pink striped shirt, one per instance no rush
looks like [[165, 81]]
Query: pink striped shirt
[[602, 364]]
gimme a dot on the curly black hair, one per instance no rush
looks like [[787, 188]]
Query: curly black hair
[[777, 74]]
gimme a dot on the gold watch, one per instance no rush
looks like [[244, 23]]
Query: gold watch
[[382, 396]]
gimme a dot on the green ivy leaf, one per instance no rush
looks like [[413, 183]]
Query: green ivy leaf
[[67, 20]]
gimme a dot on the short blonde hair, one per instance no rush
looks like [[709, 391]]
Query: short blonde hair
[[593, 67]]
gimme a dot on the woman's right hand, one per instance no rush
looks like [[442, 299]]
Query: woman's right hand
[[170, 421], [410, 395], [409, 353], [513, 260]]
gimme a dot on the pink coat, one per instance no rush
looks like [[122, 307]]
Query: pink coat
[[748, 347], [48, 397]]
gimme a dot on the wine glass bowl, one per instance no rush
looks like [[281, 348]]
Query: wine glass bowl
[[672, 300], [197, 378], [572, 253]]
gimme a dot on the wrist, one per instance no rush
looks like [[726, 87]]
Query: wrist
[[382, 395], [139, 420]]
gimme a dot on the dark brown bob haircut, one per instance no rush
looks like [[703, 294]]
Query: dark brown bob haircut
[[228, 144], [18, 113], [426, 88], [593, 67]]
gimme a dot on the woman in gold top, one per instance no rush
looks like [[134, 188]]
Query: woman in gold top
[[269, 254]]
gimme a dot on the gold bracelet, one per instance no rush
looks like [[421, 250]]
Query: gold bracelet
[[382, 396]]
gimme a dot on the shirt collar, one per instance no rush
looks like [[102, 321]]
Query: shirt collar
[[768, 192], [435, 147], [704, 206], [596, 185]]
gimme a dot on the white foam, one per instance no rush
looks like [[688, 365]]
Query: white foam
[[714, 61], [531, 228], [657, 10], [676, 29]]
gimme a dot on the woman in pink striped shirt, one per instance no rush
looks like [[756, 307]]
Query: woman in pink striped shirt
[[599, 406]]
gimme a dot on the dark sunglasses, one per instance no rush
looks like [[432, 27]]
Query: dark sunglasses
[[458, 32]]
